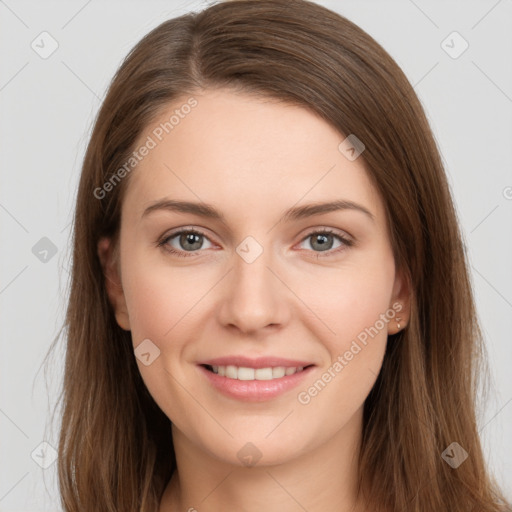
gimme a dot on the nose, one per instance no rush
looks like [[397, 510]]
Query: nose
[[254, 296]]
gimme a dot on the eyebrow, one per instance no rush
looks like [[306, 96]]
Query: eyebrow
[[294, 213]]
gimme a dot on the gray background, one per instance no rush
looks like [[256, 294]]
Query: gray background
[[48, 106]]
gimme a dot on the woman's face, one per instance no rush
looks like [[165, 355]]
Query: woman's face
[[257, 281]]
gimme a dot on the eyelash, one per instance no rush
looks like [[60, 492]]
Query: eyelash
[[182, 254]]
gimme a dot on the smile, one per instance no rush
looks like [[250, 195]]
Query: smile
[[254, 384], [244, 373]]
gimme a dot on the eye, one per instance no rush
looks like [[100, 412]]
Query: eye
[[191, 240], [323, 240], [188, 240]]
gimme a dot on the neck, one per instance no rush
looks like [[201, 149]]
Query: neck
[[316, 478]]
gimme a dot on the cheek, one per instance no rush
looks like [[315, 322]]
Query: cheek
[[351, 298], [158, 299], [359, 317], [161, 308], [354, 306]]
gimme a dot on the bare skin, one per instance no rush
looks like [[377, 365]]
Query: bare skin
[[253, 159]]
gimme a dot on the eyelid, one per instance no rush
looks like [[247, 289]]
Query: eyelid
[[331, 231]]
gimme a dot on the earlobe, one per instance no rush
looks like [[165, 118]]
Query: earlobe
[[109, 263], [401, 304]]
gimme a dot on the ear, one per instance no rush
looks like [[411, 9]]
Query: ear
[[109, 258], [401, 300]]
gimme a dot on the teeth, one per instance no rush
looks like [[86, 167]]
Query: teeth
[[231, 372], [243, 373], [278, 372]]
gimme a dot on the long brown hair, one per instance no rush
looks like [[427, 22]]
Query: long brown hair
[[115, 446]]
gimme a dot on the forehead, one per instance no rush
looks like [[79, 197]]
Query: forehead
[[233, 149]]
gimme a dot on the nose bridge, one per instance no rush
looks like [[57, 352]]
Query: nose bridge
[[254, 298]]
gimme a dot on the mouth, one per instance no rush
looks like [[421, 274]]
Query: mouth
[[247, 384], [251, 374]]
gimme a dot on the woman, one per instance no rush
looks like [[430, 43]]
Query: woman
[[245, 371]]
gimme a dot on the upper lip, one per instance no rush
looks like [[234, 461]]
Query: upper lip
[[258, 362]]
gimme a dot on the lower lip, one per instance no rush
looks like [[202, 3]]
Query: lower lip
[[254, 390]]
